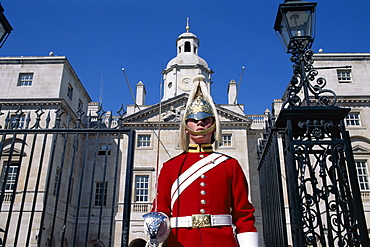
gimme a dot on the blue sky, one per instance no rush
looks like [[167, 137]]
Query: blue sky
[[99, 38]]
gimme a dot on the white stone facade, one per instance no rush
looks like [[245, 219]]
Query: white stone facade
[[353, 91]]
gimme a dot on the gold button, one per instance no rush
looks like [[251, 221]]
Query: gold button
[[202, 184], [203, 176], [203, 193], [203, 201], [202, 155], [202, 211]]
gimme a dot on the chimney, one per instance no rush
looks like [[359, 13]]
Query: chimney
[[232, 93], [140, 93]]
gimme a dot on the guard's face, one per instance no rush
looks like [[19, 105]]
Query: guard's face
[[199, 125]]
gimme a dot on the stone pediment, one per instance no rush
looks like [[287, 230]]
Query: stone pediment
[[169, 112], [358, 149], [14, 152], [166, 111]]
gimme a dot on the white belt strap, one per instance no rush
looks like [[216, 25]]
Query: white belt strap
[[191, 174], [187, 221]]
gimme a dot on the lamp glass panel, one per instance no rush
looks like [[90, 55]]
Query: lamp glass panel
[[299, 23], [284, 31]]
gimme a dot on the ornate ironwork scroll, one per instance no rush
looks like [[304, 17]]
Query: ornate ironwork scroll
[[324, 198], [304, 83]]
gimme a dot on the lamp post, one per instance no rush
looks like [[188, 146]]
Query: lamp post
[[325, 205], [295, 24], [5, 27]]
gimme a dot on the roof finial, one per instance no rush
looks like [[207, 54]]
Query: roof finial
[[187, 25]]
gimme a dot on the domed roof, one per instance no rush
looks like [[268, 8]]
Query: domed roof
[[187, 35], [187, 58]]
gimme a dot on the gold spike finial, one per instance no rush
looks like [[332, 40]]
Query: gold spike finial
[[187, 25]]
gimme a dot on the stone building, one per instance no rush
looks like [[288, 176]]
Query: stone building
[[70, 181], [34, 90], [75, 198], [352, 86]]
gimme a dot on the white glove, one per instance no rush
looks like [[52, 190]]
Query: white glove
[[248, 239]]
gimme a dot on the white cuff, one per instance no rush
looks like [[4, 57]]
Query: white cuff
[[248, 239]]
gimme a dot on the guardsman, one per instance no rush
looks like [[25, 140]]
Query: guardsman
[[203, 195]]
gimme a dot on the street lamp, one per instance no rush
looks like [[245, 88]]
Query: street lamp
[[5, 27], [295, 22]]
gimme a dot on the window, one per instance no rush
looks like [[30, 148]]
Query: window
[[187, 46], [70, 92], [226, 140], [80, 105], [353, 119], [104, 149], [101, 194], [11, 178], [362, 175], [344, 76], [56, 181], [142, 188], [25, 79], [143, 140], [17, 122]]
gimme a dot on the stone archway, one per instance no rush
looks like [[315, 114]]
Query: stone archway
[[139, 242]]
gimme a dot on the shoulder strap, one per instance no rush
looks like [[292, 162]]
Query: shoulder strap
[[194, 172]]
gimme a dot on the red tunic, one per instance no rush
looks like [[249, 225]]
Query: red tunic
[[223, 189]]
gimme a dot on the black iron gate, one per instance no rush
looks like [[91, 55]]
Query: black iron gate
[[323, 195], [271, 188], [61, 174]]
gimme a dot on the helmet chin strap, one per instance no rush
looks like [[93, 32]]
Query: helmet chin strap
[[201, 132]]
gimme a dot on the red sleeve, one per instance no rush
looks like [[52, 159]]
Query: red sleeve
[[242, 209], [163, 198]]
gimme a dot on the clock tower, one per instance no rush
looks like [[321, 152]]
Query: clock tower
[[186, 67]]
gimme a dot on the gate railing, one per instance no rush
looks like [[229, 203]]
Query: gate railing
[[271, 188], [323, 195], [60, 177]]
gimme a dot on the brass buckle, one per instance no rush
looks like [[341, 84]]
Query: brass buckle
[[201, 220]]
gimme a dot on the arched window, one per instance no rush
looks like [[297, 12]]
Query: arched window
[[187, 46]]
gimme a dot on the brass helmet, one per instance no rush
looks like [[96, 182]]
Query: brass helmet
[[199, 106]]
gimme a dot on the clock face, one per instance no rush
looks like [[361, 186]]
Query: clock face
[[185, 84]]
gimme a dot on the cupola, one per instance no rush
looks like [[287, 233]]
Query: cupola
[[180, 71]]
